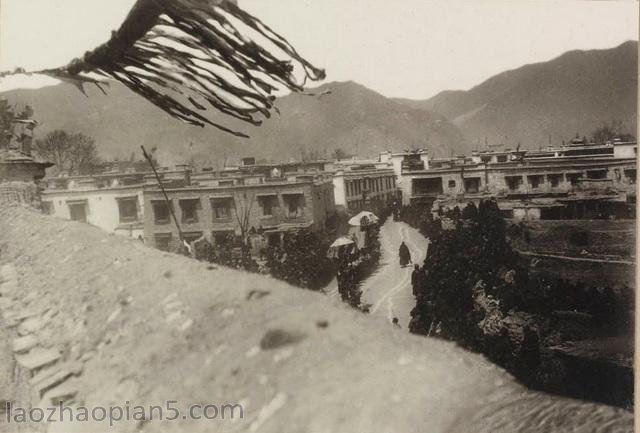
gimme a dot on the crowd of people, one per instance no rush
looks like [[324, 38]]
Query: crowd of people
[[353, 264]]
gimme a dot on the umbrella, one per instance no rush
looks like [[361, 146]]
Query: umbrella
[[341, 241], [332, 252], [357, 220]]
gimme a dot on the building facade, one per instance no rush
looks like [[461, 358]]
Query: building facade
[[112, 201], [363, 186], [578, 180], [218, 205]]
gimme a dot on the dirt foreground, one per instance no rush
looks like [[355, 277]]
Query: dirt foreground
[[91, 319]]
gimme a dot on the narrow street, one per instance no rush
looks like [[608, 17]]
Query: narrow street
[[388, 289]]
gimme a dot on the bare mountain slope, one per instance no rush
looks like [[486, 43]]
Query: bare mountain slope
[[350, 117], [575, 92]]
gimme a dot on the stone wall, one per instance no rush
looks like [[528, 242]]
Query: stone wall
[[19, 193], [96, 319]]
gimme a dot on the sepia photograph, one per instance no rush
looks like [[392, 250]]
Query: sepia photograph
[[318, 216]]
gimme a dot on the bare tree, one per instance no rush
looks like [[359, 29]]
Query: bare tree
[[74, 153], [339, 153], [242, 207], [608, 132]]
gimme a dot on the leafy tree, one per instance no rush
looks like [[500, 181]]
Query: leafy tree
[[73, 153], [301, 261], [475, 252]]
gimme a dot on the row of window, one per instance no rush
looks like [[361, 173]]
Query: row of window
[[515, 182], [357, 186], [79, 209], [225, 208], [555, 179]]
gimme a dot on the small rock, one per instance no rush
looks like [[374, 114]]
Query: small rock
[[227, 312], [62, 393], [169, 298], [257, 294], [252, 352], [30, 326], [186, 325], [322, 324], [87, 356], [173, 316], [172, 306], [5, 303], [268, 411], [283, 354], [50, 377], [8, 272], [275, 338], [113, 316], [38, 358], [24, 344]]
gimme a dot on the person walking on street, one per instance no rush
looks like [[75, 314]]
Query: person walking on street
[[405, 255]]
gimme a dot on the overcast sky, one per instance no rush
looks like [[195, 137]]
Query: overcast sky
[[408, 48]]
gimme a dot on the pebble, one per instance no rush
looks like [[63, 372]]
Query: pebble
[[30, 326], [253, 352], [268, 411], [173, 316], [283, 354], [113, 316], [186, 325], [24, 344], [37, 358]]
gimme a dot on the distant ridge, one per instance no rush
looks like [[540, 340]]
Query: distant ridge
[[346, 115], [573, 93]]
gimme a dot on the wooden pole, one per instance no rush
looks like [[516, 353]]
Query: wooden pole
[[166, 197]]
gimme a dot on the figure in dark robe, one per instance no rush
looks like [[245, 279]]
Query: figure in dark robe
[[405, 255]]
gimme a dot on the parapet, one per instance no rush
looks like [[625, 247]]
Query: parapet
[[109, 320]]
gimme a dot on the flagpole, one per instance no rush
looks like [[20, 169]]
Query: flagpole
[[164, 192]]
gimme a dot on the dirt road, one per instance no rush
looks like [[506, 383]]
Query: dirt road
[[388, 289]]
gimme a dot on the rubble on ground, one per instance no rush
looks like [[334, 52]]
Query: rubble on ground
[[99, 320]]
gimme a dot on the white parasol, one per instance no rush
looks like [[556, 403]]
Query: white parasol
[[337, 244], [357, 220]]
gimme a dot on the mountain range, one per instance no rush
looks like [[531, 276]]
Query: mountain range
[[547, 102], [345, 116], [531, 105]]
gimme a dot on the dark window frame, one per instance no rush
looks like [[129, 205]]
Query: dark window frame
[[85, 210], [189, 214], [535, 180], [216, 210], [509, 181], [269, 202], [122, 203], [156, 204], [555, 179]]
